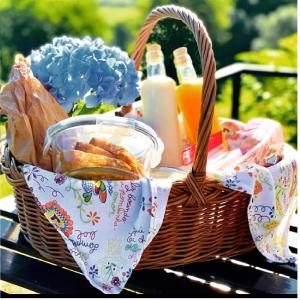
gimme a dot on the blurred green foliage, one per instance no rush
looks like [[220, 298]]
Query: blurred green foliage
[[124, 21], [281, 22], [27, 24], [215, 19], [171, 34], [232, 28], [6, 188], [244, 29], [274, 98], [285, 55]]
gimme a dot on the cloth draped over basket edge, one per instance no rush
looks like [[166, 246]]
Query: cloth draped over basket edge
[[106, 224], [66, 202]]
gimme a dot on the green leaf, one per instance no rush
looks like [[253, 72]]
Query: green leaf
[[81, 109]]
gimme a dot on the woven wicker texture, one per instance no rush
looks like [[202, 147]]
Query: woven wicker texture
[[202, 220]]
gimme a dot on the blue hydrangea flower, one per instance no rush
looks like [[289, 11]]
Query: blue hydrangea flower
[[73, 69]]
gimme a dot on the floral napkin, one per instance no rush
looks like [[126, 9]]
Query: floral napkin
[[258, 162], [106, 224], [272, 204]]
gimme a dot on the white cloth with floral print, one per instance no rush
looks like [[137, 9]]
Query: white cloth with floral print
[[273, 189], [106, 225], [272, 204]]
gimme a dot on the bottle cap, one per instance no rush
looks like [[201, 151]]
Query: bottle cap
[[153, 47], [154, 53], [181, 56], [180, 51]]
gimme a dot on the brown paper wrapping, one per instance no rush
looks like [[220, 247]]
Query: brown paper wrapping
[[31, 109]]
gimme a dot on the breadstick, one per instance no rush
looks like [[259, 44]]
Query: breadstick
[[88, 148], [75, 159], [120, 153], [106, 145]]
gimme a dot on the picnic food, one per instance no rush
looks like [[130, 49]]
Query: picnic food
[[120, 153], [30, 109], [89, 148], [109, 136], [100, 153]]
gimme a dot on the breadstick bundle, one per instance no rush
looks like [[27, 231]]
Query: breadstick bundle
[[100, 159], [96, 147]]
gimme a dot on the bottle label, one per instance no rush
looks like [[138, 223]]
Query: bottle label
[[215, 140], [188, 155]]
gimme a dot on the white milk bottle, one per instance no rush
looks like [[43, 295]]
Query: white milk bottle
[[160, 108]]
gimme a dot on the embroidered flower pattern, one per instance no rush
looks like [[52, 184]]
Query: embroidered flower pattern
[[257, 187], [92, 215], [58, 217], [231, 182], [115, 281], [106, 287], [60, 179], [35, 175], [33, 172], [93, 271]]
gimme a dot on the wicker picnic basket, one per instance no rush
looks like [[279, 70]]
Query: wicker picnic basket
[[203, 219]]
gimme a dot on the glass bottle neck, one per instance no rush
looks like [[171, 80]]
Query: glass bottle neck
[[155, 69], [186, 73]]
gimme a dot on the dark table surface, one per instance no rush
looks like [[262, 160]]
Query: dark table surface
[[242, 275]]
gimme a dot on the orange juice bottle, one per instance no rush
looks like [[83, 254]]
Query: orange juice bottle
[[188, 98]]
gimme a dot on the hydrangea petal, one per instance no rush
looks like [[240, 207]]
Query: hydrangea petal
[[71, 67]]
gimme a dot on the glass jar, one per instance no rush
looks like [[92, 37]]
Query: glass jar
[[136, 137]]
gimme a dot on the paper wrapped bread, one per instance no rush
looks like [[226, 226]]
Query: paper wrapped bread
[[31, 109]]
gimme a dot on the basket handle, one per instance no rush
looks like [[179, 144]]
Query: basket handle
[[208, 70]]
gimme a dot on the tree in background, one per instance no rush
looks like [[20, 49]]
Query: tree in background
[[231, 24], [125, 21], [274, 98], [282, 22], [172, 34], [20, 31], [27, 24], [285, 54], [244, 26]]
